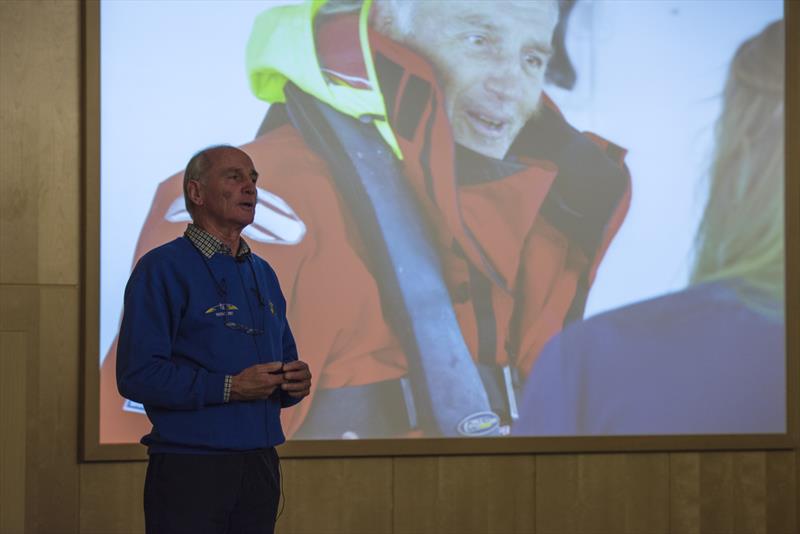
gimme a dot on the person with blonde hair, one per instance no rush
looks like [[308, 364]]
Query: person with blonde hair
[[741, 233], [709, 359]]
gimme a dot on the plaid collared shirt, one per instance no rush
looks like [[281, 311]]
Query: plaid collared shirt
[[208, 245]]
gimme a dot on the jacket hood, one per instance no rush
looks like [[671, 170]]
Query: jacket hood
[[282, 48]]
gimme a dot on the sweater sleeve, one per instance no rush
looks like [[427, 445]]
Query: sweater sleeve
[[153, 306]]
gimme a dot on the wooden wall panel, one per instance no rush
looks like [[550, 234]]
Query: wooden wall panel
[[320, 496], [111, 498], [39, 237], [792, 498], [13, 360], [19, 311], [684, 493], [602, 493], [338, 495], [733, 492], [49, 319], [53, 473], [40, 141], [464, 494]]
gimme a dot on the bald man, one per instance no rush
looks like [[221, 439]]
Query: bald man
[[205, 346]]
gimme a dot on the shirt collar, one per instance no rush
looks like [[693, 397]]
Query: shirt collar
[[208, 245]]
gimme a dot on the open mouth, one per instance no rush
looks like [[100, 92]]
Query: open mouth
[[248, 205], [485, 124]]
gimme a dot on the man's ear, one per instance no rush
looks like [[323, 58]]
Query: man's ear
[[195, 192]]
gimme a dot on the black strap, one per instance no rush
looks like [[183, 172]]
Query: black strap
[[450, 397]]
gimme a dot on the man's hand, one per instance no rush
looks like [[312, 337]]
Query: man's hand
[[298, 379], [257, 382]]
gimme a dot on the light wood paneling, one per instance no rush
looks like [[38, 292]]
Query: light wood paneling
[[792, 191], [111, 498], [49, 317], [684, 493], [792, 498], [13, 359], [464, 494], [337, 496], [54, 476], [602, 494], [39, 147], [709, 493], [19, 311], [780, 488], [743, 492]]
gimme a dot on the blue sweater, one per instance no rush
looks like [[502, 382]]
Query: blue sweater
[[175, 349]]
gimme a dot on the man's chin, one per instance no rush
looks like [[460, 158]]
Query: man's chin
[[490, 150], [242, 224]]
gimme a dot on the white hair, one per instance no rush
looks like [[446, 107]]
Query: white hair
[[401, 12]]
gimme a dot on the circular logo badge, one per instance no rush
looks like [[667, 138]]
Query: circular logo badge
[[479, 424]]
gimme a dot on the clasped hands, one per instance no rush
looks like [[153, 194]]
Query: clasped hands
[[262, 380]]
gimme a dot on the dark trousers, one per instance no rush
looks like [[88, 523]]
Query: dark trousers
[[234, 493]]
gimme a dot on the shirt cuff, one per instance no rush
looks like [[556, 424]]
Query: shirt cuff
[[226, 390]]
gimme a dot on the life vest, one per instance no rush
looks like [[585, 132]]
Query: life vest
[[586, 202]]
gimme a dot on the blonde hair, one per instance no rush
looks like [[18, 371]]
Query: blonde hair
[[741, 234]]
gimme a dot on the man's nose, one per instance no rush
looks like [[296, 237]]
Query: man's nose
[[505, 81]]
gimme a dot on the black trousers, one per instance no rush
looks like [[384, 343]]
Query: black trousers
[[235, 493]]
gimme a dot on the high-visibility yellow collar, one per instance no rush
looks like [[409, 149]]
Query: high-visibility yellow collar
[[282, 48]]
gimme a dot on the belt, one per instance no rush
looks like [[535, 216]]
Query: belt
[[386, 409]]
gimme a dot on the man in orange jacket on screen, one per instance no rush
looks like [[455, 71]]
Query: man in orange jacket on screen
[[432, 216]]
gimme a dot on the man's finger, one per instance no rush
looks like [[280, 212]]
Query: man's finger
[[297, 375], [270, 367], [274, 379], [295, 386], [295, 366]]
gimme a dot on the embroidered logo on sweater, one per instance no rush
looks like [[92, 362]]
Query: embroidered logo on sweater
[[222, 309]]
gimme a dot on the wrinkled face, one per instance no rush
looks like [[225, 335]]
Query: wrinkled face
[[226, 195], [491, 58]]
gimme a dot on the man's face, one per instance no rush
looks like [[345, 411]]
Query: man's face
[[228, 190], [491, 58]]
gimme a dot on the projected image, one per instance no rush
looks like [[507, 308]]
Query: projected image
[[494, 218]]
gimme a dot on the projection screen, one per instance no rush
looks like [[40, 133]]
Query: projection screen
[[461, 256]]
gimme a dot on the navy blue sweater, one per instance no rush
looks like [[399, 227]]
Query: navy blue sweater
[[175, 348], [698, 361]]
